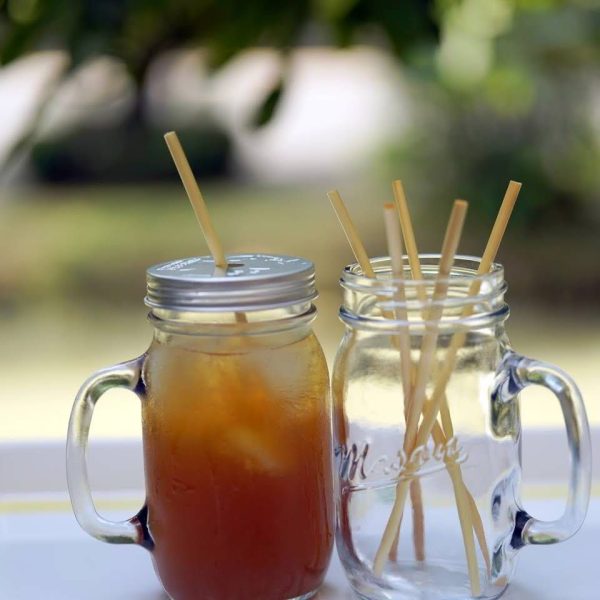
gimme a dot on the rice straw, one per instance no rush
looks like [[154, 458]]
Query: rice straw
[[195, 195], [394, 242], [458, 339], [448, 428], [200, 209], [362, 258], [415, 267], [352, 236], [449, 247]]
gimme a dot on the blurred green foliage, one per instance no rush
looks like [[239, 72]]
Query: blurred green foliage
[[136, 31], [529, 115], [88, 247], [499, 88]]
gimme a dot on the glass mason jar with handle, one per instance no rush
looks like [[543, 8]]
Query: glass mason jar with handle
[[457, 537], [234, 393]]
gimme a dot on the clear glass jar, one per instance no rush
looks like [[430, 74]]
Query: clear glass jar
[[449, 501], [236, 433]]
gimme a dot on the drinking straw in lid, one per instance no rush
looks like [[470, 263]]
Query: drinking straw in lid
[[195, 195], [200, 209]]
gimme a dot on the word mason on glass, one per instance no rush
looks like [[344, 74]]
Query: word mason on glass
[[356, 463]]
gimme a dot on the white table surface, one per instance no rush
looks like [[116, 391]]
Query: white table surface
[[45, 556]]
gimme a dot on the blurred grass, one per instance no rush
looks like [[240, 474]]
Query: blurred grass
[[72, 284], [92, 244]]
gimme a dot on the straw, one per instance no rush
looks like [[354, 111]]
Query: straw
[[409, 236], [200, 209], [195, 196], [351, 233], [362, 258], [448, 429], [458, 339], [465, 502], [449, 247], [415, 267], [432, 408], [394, 241]]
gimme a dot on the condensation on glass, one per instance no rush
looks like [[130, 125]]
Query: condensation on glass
[[478, 441], [236, 419]]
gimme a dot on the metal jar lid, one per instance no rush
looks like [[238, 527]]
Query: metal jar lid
[[251, 282]]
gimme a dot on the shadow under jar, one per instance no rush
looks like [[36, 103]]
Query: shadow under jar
[[463, 471], [236, 433]]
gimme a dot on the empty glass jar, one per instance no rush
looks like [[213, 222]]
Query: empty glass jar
[[432, 511]]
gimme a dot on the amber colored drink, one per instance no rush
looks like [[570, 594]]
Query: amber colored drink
[[238, 467]]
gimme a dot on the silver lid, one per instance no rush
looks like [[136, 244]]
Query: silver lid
[[251, 282]]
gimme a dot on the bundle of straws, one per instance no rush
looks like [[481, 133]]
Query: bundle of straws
[[428, 415]]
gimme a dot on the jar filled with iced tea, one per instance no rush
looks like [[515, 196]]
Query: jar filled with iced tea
[[236, 432]]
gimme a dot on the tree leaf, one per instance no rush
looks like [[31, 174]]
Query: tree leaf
[[265, 112], [19, 40]]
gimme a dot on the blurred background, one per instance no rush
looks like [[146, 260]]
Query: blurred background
[[275, 103]]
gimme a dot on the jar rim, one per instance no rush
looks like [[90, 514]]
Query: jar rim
[[384, 302], [353, 276]]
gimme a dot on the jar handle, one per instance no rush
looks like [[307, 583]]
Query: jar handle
[[518, 372], [132, 531]]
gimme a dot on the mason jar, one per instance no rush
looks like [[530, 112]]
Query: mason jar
[[235, 405], [438, 516]]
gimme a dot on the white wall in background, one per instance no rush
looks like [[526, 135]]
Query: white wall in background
[[21, 85], [338, 109], [340, 106]]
